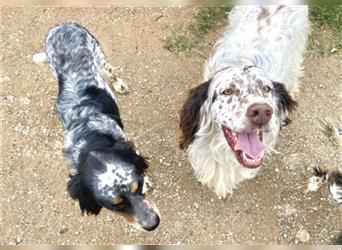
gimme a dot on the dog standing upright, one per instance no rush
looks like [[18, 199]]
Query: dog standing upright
[[230, 120], [106, 170]]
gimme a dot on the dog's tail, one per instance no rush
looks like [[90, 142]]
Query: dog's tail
[[39, 58]]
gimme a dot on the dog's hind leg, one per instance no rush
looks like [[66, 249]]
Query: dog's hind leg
[[108, 73]]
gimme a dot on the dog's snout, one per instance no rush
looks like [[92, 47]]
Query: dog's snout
[[152, 224], [259, 113]]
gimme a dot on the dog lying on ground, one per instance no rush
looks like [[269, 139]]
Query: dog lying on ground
[[230, 120], [106, 170]]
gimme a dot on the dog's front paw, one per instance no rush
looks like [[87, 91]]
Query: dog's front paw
[[120, 86], [336, 193]]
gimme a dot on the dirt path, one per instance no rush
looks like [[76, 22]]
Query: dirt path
[[35, 205]]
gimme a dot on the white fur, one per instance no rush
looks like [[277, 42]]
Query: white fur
[[336, 193], [113, 174], [275, 44]]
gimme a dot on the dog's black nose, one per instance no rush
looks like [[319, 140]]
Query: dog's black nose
[[154, 225], [259, 113]]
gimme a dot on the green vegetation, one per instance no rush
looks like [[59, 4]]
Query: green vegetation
[[326, 31], [325, 38], [207, 19]]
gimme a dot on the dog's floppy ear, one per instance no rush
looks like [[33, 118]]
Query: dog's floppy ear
[[95, 141], [126, 151], [80, 192], [285, 102], [190, 113]]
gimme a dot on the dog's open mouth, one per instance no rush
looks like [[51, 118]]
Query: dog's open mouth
[[248, 147]]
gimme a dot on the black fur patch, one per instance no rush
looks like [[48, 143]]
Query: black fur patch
[[78, 189], [285, 101], [102, 101], [320, 172], [126, 151], [337, 177], [96, 141]]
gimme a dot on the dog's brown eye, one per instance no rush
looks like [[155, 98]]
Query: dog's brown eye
[[134, 187], [117, 200], [266, 89], [228, 92]]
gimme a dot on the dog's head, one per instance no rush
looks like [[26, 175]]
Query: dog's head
[[244, 103], [111, 176]]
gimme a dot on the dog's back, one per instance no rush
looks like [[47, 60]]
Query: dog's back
[[68, 47], [75, 56], [271, 37]]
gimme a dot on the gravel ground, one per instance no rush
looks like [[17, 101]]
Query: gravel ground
[[270, 209]]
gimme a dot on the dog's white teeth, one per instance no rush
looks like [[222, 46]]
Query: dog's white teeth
[[261, 155], [244, 156], [251, 161]]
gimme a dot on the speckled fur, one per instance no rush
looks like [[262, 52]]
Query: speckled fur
[[104, 163], [263, 46]]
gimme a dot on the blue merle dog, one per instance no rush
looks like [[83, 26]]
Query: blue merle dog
[[105, 169]]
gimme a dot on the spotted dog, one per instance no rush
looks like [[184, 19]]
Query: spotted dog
[[249, 83], [106, 170]]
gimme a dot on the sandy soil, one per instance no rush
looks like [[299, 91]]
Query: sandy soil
[[36, 208]]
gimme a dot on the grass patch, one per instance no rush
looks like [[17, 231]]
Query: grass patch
[[207, 19], [326, 31], [325, 37], [327, 15]]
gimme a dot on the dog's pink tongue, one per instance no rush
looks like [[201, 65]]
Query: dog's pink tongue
[[250, 144]]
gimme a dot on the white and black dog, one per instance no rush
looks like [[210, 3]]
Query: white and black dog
[[230, 120], [106, 170]]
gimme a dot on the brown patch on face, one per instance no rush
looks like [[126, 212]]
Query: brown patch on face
[[117, 200], [128, 216], [237, 91], [134, 187], [190, 113]]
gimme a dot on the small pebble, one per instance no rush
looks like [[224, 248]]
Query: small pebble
[[63, 230], [4, 79], [18, 240], [303, 235]]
